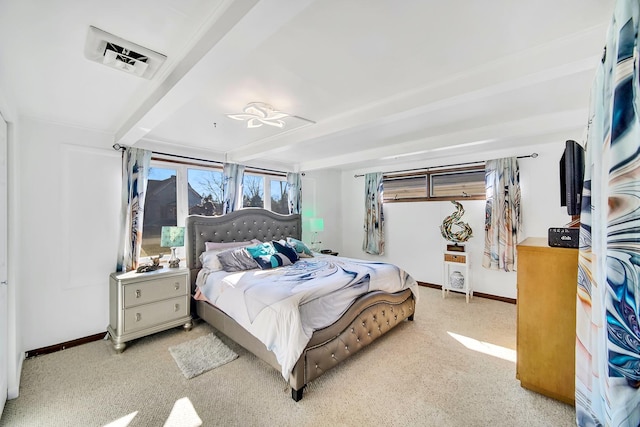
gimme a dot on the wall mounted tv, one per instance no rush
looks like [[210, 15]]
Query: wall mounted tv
[[572, 177]]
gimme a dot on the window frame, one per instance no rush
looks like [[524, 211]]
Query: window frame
[[182, 190], [267, 187], [427, 174]]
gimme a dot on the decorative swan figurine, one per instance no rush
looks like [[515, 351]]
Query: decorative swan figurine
[[454, 219]]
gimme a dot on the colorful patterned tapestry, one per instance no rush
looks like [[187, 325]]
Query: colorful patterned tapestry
[[373, 242], [135, 173], [502, 214], [608, 333]]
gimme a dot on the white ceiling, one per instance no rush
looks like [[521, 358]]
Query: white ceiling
[[385, 81]]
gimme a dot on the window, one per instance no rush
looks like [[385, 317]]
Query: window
[[439, 184], [205, 191], [176, 189], [253, 191], [457, 184], [160, 208], [255, 187], [279, 196], [404, 188]]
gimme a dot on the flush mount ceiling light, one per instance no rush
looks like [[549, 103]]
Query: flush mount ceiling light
[[116, 52], [257, 114]]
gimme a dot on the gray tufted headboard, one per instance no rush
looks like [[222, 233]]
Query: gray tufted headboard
[[238, 226]]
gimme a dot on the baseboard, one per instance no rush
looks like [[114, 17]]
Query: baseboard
[[475, 294], [64, 345], [97, 337]]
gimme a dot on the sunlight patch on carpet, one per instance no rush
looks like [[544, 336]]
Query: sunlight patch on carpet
[[122, 422], [200, 355], [485, 347], [183, 414]]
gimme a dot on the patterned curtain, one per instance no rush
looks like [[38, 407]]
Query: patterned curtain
[[608, 334], [373, 218], [135, 173], [232, 175], [294, 192], [502, 214]]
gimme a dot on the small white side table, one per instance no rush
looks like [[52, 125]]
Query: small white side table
[[456, 274]]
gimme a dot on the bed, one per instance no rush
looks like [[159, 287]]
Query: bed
[[369, 317]]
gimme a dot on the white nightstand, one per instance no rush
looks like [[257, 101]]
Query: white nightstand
[[460, 281], [141, 304]]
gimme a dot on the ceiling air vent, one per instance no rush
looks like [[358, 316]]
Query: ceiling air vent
[[121, 54]]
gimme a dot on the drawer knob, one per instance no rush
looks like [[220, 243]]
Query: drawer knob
[[138, 317], [177, 286], [176, 307], [138, 293]]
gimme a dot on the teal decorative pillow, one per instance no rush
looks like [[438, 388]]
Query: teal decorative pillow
[[301, 249], [283, 254], [263, 249]]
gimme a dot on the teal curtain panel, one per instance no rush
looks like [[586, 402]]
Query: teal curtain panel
[[232, 175], [294, 192], [135, 174], [373, 242]]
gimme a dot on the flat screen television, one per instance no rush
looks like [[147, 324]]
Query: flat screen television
[[572, 177]]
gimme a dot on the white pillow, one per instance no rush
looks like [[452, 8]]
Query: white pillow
[[212, 246], [210, 261]]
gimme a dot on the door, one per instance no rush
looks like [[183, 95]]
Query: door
[[3, 264]]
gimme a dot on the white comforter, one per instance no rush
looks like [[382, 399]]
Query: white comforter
[[283, 306]]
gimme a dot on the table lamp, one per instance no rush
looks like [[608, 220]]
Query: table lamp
[[172, 237]]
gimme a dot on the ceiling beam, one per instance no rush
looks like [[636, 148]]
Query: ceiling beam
[[237, 31], [468, 139], [561, 58]]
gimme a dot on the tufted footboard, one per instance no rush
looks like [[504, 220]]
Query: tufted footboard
[[370, 317], [366, 320]]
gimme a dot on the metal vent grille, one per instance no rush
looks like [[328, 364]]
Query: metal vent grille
[[121, 54], [125, 59]]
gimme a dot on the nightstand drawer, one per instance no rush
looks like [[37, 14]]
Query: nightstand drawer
[[455, 258], [154, 290], [155, 313]]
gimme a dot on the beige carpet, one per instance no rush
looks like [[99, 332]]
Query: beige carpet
[[420, 374]]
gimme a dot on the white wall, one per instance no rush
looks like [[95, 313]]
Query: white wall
[[412, 232], [69, 197], [321, 198], [69, 191], [14, 294], [69, 183], [14, 243]]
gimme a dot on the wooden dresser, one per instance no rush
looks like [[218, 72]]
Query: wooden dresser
[[546, 318]]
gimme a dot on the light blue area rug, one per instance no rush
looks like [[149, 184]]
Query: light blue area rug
[[200, 355]]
